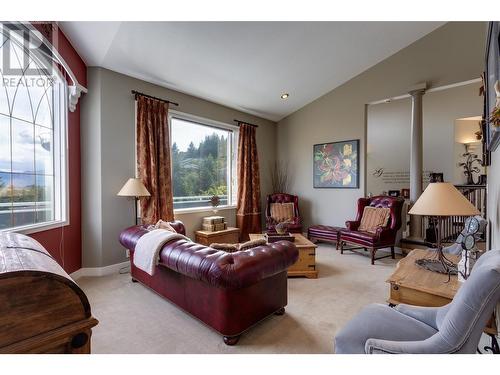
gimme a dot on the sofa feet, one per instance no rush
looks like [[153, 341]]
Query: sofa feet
[[280, 311], [231, 340], [134, 280]]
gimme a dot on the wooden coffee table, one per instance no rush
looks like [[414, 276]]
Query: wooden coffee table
[[306, 264]]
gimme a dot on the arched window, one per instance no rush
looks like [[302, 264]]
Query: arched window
[[33, 127]]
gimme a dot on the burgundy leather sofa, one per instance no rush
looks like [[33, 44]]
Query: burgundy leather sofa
[[296, 225], [230, 292], [384, 236]]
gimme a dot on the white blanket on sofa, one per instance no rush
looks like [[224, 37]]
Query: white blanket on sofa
[[147, 249]]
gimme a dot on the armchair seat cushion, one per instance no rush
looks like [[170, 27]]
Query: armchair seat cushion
[[378, 321], [359, 235]]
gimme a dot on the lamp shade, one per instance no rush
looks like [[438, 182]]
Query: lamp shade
[[134, 188], [443, 199]]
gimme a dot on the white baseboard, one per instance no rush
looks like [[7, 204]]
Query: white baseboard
[[98, 271]]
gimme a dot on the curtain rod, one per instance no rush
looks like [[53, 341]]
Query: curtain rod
[[244, 122], [153, 97]]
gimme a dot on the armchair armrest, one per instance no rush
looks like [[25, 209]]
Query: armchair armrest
[[385, 233], [352, 225]]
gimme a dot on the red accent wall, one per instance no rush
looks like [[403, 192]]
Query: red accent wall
[[65, 243]]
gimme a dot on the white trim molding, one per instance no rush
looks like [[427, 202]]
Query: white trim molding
[[98, 271], [75, 91], [433, 89]]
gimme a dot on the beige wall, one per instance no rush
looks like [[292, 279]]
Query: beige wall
[[452, 53], [389, 128], [108, 123]]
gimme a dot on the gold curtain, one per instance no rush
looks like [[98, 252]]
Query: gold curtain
[[153, 159], [248, 212]]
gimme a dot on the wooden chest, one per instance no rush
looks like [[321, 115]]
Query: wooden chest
[[229, 235], [42, 310], [306, 264]]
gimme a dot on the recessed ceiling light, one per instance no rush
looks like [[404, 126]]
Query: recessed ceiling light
[[285, 95]]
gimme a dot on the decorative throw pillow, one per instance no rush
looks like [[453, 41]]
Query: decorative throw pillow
[[374, 217], [164, 225], [281, 212], [227, 247], [251, 244]]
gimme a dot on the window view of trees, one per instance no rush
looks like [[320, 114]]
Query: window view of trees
[[199, 164]]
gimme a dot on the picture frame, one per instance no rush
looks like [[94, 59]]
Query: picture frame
[[336, 165], [436, 177], [405, 193], [393, 193], [492, 75]]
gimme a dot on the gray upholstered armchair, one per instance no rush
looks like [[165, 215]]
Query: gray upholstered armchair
[[454, 328]]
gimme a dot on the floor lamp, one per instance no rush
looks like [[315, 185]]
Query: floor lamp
[[136, 189], [441, 199]]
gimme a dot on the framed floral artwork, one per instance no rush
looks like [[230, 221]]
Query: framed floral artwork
[[336, 165]]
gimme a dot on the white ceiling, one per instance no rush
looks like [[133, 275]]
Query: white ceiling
[[244, 65]]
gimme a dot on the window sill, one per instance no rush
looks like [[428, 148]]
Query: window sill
[[182, 211], [34, 228]]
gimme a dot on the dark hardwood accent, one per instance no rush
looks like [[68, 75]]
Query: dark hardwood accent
[[136, 93], [280, 311], [42, 310], [246, 123], [231, 340]]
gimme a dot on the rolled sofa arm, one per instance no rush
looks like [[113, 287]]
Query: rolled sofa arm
[[216, 267]]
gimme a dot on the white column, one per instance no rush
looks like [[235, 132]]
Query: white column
[[416, 157]]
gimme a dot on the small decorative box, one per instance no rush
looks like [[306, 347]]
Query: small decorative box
[[274, 237]]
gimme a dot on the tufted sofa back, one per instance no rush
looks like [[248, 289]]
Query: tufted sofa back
[[218, 268]]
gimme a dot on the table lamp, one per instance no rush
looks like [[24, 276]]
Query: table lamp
[[438, 200], [134, 188]]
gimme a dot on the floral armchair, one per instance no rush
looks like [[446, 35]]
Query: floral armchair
[[295, 225]]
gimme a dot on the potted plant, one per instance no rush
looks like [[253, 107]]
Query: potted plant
[[215, 202], [470, 167]]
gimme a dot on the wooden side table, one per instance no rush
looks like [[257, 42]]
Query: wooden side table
[[413, 285], [229, 235]]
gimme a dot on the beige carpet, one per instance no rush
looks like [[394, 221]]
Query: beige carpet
[[133, 319]]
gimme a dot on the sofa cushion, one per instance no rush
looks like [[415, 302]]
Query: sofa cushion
[[164, 225], [282, 211], [373, 218], [252, 243], [227, 247]]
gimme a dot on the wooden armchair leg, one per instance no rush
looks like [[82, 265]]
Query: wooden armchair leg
[[393, 255], [373, 251], [342, 247]]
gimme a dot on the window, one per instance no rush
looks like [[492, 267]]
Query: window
[[33, 109], [203, 162]]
